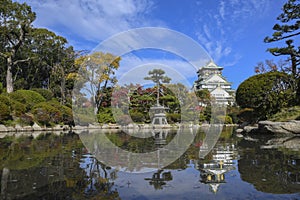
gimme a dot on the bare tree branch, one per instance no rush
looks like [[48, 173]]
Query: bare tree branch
[[20, 61]]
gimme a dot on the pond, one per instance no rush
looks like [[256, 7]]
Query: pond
[[86, 166]]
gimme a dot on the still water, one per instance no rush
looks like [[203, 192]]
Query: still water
[[67, 166]]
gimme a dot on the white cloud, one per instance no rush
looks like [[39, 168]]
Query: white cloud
[[222, 9], [133, 69], [91, 20], [143, 49], [217, 32]]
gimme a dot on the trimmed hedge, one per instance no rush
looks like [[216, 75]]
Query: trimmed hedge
[[66, 112], [1, 88], [137, 116], [46, 114], [51, 112], [27, 106], [47, 94], [18, 108], [4, 99], [4, 112], [266, 94], [27, 97]]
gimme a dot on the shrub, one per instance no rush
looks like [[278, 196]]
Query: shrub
[[1, 88], [47, 94], [228, 120], [4, 99], [173, 117], [47, 114], [137, 116], [105, 116], [67, 115], [18, 108], [27, 97], [4, 112], [26, 119], [266, 93], [247, 115], [66, 112]]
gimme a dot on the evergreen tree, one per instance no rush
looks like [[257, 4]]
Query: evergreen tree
[[158, 77], [288, 30], [16, 21]]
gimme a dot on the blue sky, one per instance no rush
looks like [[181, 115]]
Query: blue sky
[[231, 31]]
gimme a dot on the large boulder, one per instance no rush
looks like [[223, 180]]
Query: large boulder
[[290, 127], [294, 144]]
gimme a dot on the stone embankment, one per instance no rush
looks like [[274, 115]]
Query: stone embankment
[[36, 127], [286, 128]]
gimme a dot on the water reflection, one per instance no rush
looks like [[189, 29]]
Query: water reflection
[[159, 179], [59, 166], [213, 172], [135, 154], [272, 170], [50, 166]]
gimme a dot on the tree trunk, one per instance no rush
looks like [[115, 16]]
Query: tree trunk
[[63, 87], [9, 78], [294, 65], [99, 101]]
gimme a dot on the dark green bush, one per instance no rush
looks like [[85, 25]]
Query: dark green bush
[[173, 117], [18, 108], [105, 116], [247, 115], [67, 115], [266, 93], [54, 103], [27, 97], [47, 114], [1, 88], [4, 112], [47, 94], [137, 116], [4, 99]]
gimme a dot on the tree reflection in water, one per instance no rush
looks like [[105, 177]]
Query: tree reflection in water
[[58, 166], [159, 179], [274, 171], [51, 166]]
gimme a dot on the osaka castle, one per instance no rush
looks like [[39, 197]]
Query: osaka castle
[[210, 78]]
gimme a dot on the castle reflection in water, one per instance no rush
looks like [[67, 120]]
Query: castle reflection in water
[[214, 172]]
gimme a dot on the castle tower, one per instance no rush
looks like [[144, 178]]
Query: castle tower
[[210, 78]]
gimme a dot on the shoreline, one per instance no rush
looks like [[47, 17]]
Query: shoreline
[[63, 128], [291, 127]]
